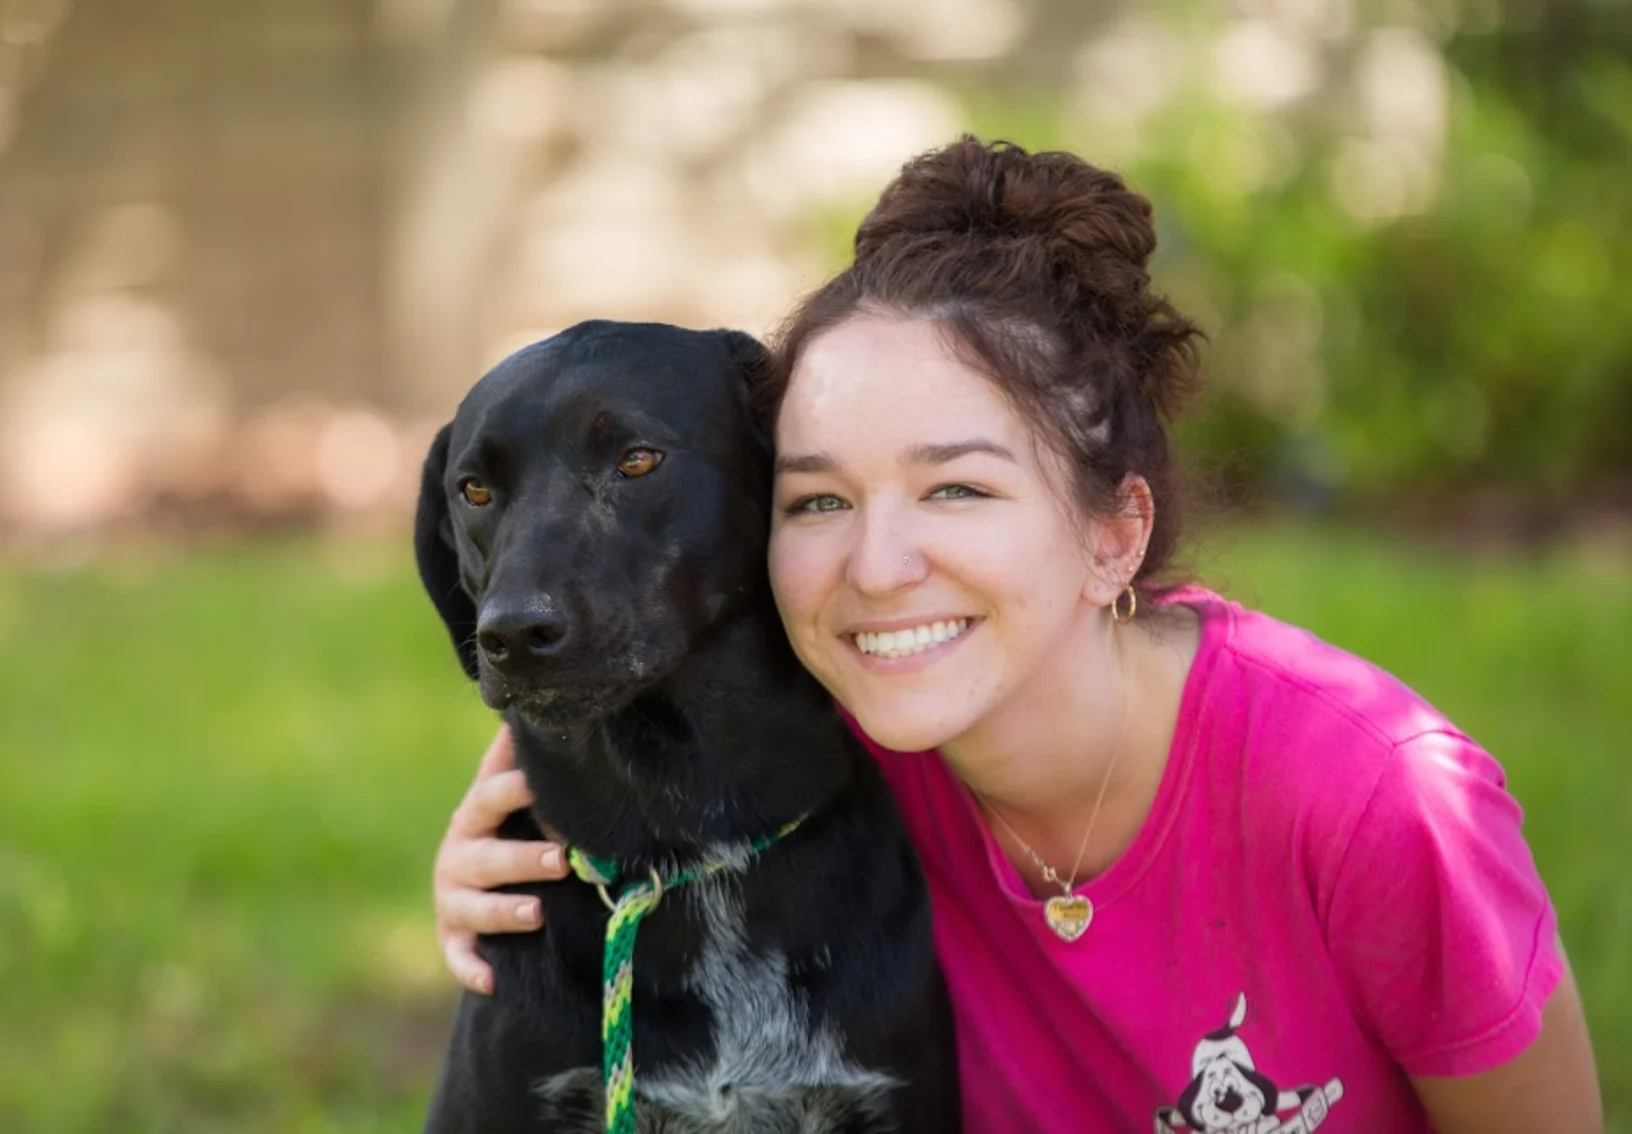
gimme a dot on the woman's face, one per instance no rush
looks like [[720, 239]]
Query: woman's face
[[926, 565]]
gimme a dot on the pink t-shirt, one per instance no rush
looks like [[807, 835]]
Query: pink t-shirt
[[1330, 892]]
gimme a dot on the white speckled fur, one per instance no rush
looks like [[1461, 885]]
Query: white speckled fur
[[773, 1072]]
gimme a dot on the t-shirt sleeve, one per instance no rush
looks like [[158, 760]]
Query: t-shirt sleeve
[[1439, 924]]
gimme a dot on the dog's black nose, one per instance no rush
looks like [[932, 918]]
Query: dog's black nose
[[514, 637]]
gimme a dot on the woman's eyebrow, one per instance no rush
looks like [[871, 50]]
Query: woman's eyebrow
[[943, 454], [917, 455], [806, 463]]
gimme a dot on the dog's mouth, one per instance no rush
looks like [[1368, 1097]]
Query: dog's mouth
[[571, 695], [556, 704], [562, 709]]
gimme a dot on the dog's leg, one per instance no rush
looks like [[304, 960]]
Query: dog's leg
[[455, 1105], [490, 1080]]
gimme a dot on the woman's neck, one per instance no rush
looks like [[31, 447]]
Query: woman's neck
[[1107, 707]]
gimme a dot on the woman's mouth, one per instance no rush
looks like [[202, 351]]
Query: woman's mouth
[[909, 640]]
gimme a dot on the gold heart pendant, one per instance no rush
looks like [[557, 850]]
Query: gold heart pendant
[[1069, 916]]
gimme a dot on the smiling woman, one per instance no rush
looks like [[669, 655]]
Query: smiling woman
[[1189, 865], [929, 483]]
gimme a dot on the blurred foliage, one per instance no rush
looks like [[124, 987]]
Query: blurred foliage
[[1482, 344], [1464, 342]]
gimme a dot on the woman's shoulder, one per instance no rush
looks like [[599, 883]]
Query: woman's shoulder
[[1313, 731], [1290, 684], [1399, 825]]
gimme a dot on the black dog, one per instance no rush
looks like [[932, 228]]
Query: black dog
[[592, 528]]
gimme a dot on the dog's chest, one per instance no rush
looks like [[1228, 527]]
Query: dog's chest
[[773, 1068]]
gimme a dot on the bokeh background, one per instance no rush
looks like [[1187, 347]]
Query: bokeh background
[[251, 253]]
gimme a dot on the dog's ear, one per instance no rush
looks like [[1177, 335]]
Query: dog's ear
[[1266, 1086], [438, 561], [1187, 1103], [753, 362]]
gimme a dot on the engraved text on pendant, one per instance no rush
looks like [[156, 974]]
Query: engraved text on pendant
[[1068, 915]]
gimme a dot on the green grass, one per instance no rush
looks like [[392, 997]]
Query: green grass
[[222, 778]]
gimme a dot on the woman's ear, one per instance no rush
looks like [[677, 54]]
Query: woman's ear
[[1119, 541]]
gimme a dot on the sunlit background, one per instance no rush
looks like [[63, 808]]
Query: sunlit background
[[251, 253]]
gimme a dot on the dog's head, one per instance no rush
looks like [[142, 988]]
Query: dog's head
[[599, 501], [1227, 1095], [1227, 1091]]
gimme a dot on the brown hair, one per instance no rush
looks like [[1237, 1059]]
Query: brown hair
[[1035, 266]]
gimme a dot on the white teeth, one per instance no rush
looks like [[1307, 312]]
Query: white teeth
[[904, 643]]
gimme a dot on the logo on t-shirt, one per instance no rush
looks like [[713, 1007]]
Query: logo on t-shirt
[[1227, 1094]]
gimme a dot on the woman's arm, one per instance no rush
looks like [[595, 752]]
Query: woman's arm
[[1443, 933], [1551, 1085], [472, 861]]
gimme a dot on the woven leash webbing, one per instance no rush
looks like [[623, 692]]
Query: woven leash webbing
[[618, 963]]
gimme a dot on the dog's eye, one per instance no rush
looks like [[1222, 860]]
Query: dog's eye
[[639, 462], [475, 492]]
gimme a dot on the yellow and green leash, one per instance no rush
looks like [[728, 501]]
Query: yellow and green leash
[[618, 962]]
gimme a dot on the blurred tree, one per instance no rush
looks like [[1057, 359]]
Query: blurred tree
[[1471, 348]]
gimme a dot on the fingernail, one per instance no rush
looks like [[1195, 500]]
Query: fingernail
[[484, 984], [527, 911], [550, 859]]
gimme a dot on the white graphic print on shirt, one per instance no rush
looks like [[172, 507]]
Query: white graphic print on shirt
[[1227, 1094]]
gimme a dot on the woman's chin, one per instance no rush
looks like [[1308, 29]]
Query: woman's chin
[[905, 727]]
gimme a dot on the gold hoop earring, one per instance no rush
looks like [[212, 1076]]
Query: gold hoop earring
[[1117, 614]]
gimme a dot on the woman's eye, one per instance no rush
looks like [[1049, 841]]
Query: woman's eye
[[821, 502], [476, 494], [956, 492], [639, 462]]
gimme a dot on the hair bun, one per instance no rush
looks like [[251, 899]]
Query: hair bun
[[1082, 218], [1034, 267]]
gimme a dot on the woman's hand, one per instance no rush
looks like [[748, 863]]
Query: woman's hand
[[472, 861]]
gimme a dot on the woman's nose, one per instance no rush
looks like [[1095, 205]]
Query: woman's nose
[[883, 561]]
